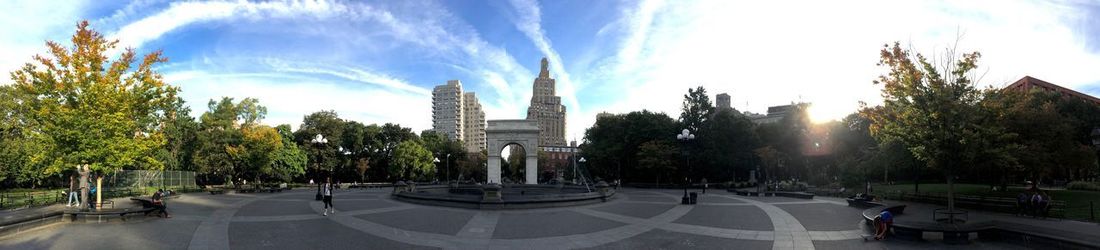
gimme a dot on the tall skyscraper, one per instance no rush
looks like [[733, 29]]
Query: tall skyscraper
[[458, 115], [547, 109]]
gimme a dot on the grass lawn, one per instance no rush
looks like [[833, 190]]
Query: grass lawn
[[1077, 201]]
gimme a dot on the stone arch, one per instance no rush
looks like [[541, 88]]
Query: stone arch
[[501, 133]]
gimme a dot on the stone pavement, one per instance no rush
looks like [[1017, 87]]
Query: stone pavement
[[635, 219]]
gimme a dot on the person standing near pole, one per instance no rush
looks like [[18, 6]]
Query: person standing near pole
[[73, 200], [327, 192]]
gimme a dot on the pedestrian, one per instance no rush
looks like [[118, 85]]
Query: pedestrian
[[882, 224], [91, 193], [158, 204], [328, 197], [705, 185], [73, 198]]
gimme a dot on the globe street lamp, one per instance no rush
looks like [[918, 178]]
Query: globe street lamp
[[582, 161], [320, 142], [436, 161], [684, 137]]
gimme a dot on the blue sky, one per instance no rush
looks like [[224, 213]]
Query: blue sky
[[376, 61]]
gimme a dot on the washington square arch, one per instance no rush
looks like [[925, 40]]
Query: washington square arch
[[500, 134]]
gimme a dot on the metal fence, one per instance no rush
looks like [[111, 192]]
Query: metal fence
[[146, 179]]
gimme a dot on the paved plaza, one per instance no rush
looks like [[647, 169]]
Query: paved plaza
[[635, 219]]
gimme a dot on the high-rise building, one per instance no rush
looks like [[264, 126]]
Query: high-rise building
[[547, 109], [723, 101], [447, 109], [458, 115], [473, 118]]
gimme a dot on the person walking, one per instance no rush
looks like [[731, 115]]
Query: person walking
[[327, 192], [73, 198]]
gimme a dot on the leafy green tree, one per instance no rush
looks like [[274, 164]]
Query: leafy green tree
[[412, 161], [728, 146], [441, 147], [933, 108], [612, 144], [325, 157], [93, 111], [657, 157], [224, 130], [257, 152], [18, 144], [181, 139], [696, 109], [290, 160]]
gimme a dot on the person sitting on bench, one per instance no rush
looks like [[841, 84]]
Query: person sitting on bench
[[158, 204], [882, 224]]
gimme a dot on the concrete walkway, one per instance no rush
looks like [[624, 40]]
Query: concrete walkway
[[635, 219]]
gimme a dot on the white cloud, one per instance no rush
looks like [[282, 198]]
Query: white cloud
[[529, 18], [289, 97], [27, 24]]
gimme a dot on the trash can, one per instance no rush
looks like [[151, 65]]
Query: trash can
[[694, 197]]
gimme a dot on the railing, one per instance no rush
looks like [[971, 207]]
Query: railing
[[45, 198]]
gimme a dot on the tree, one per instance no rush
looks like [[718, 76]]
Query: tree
[[412, 161], [696, 109], [256, 154], [325, 156], [657, 157], [181, 139], [728, 146], [290, 160], [935, 114], [19, 144], [442, 147], [611, 145], [224, 130], [92, 111]]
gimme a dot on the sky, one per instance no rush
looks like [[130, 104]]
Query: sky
[[377, 61]]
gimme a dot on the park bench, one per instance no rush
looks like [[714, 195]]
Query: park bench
[[216, 191]]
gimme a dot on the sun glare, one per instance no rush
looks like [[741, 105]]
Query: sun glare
[[822, 113]]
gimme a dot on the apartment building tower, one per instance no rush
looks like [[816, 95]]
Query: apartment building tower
[[458, 115]]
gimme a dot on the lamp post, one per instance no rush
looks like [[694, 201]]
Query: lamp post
[[581, 161], [684, 137], [320, 142], [436, 161], [448, 168]]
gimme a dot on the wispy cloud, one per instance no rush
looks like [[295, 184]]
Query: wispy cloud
[[426, 26], [346, 73], [528, 20]]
